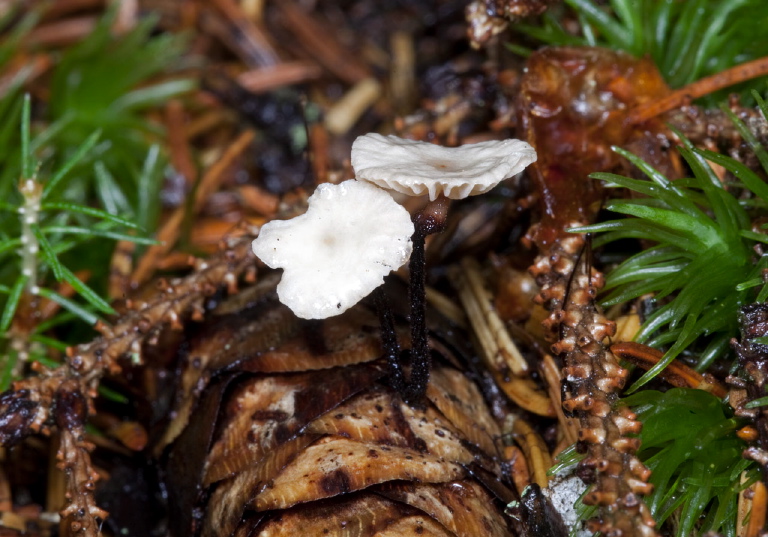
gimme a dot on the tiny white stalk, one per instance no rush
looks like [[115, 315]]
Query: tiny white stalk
[[31, 190]]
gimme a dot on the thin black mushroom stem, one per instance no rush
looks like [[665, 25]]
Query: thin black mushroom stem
[[431, 219], [389, 341]]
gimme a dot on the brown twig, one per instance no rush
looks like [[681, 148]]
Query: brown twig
[[757, 515], [127, 16], [62, 8], [181, 156], [342, 116], [60, 33], [552, 375], [24, 68], [402, 75], [283, 74], [258, 200], [322, 44], [120, 269], [206, 235], [700, 88], [64, 396], [594, 377], [536, 452], [252, 43], [676, 373]]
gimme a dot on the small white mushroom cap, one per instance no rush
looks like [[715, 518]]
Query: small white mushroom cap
[[352, 235], [417, 168]]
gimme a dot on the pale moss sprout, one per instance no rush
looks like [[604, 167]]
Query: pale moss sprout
[[29, 214], [32, 191]]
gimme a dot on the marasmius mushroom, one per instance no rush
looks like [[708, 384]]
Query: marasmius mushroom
[[416, 168], [352, 235]]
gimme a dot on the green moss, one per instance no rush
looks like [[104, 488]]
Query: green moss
[[701, 266], [689, 444]]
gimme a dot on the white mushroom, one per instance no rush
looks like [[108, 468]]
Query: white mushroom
[[417, 168], [352, 235]]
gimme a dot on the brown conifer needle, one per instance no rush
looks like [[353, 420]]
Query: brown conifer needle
[[699, 88]]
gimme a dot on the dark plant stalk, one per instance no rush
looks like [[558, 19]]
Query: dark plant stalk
[[429, 220], [421, 360], [389, 340]]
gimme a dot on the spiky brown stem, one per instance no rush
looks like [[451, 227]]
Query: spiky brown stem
[[592, 377]]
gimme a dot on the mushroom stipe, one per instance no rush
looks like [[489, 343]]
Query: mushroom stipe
[[431, 219], [389, 341]]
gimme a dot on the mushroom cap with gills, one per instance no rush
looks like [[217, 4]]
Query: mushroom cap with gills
[[415, 168]]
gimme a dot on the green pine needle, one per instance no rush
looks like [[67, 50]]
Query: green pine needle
[[689, 443], [82, 313], [12, 303], [702, 266], [98, 159]]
